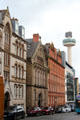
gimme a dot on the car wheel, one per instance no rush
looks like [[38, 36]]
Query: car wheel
[[15, 117], [23, 115]]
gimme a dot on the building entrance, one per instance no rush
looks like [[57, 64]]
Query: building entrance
[[6, 100], [40, 100]]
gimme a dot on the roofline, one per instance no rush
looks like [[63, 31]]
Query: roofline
[[1, 25], [14, 34], [56, 61], [69, 65]]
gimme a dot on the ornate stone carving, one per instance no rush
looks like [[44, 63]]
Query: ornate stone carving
[[52, 46]]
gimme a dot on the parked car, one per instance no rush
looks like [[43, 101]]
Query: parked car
[[72, 107], [47, 110], [66, 109], [34, 111], [14, 112], [58, 109]]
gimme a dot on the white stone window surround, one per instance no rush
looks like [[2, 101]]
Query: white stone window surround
[[18, 91], [19, 48]]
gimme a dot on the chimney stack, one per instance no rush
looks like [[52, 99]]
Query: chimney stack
[[36, 37]]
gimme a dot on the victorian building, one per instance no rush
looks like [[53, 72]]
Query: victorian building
[[37, 72], [13, 51], [56, 80]]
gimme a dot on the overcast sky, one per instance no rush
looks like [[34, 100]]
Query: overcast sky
[[51, 19]]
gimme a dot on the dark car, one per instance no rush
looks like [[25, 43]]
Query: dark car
[[58, 109], [47, 110], [34, 111], [14, 113]]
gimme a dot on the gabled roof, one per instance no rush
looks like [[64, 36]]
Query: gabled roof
[[2, 14], [31, 47], [29, 40]]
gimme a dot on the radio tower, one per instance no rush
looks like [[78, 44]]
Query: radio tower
[[69, 43]]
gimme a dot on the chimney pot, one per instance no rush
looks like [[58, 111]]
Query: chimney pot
[[36, 37]]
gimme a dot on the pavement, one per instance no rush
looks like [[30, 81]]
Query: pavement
[[57, 116]]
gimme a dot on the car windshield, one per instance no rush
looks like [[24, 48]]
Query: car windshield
[[45, 108], [36, 108], [12, 108]]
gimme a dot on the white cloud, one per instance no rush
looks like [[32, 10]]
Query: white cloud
[[51, 19]]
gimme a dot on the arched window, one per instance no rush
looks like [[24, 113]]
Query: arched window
[[16, 48], [22, 91], [15, 70], [44, 79], [20, 52], [0, 38], [7, 101], [7, 35], [34, 95], [35, 76], [15, 91], [23, 51], [22, 72], [19, 71], [38, 77]]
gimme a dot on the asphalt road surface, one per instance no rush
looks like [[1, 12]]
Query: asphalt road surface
[[57, 116]]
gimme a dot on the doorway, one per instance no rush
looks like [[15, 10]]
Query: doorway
[[40, 100], [6, 101]]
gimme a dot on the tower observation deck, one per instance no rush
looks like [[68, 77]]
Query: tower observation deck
[[69, 42]]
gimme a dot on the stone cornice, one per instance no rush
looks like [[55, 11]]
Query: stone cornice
[[49, 57], [19, 58], [60, 93], [15, 56], [14, 34], [37, 86]]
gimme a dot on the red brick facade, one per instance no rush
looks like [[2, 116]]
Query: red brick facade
[[56, 81]]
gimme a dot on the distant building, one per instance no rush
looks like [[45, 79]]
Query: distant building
[[37, 73], [18, 29], [56, 79], [22, 32], [69, 43], [69, 84]]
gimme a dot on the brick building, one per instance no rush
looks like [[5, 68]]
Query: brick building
[[56, 80], [37, 87]]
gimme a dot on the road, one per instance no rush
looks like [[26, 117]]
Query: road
[[58, 116]]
